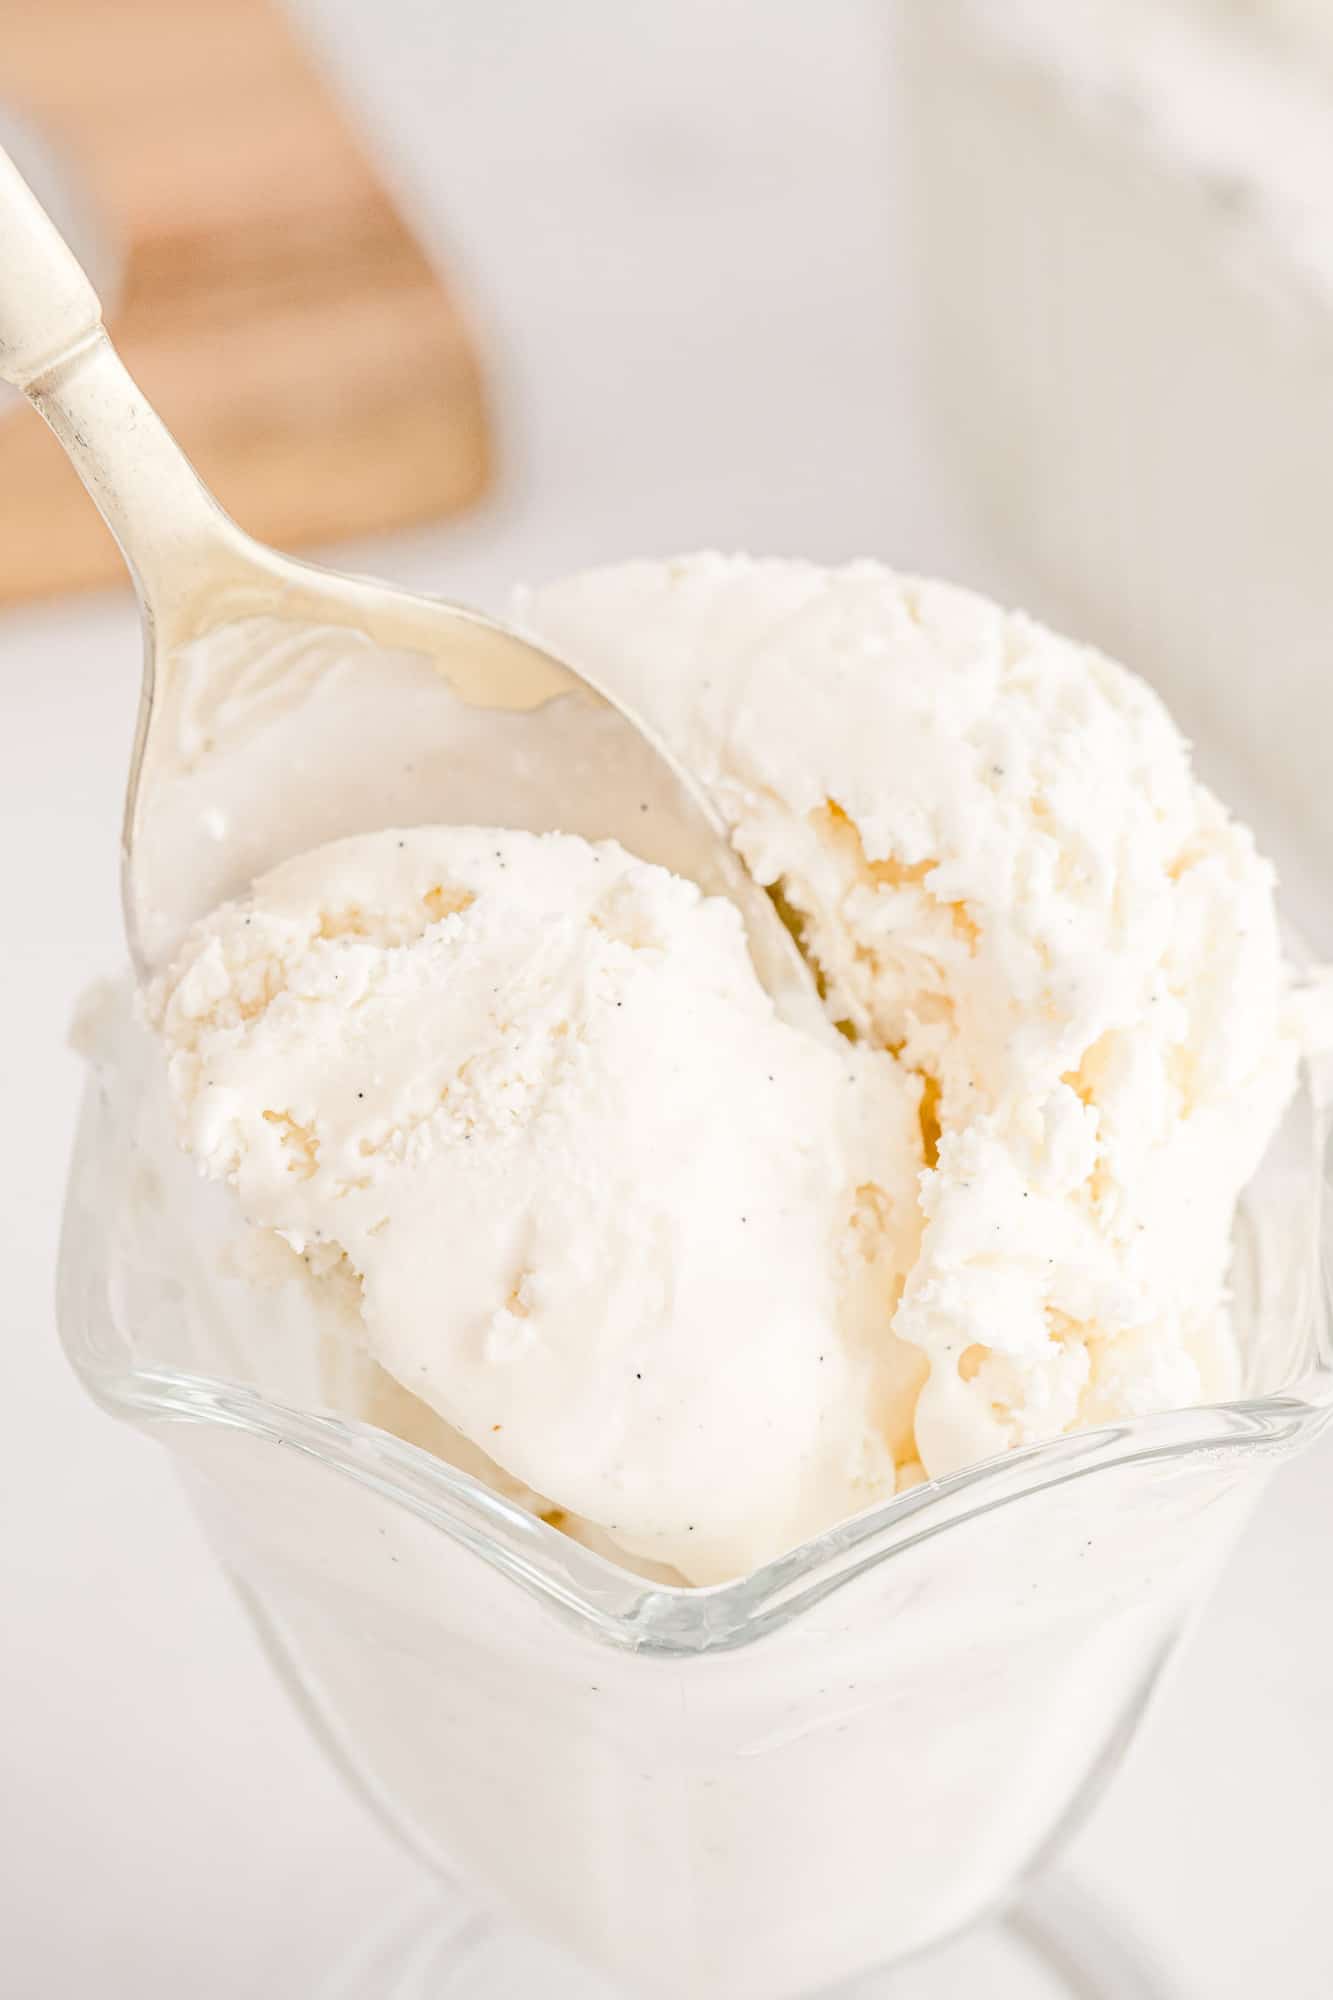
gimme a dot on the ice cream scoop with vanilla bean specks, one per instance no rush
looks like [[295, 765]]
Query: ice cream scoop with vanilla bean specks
[[703, 1281]]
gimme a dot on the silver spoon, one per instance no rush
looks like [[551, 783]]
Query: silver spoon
[[284, 705]]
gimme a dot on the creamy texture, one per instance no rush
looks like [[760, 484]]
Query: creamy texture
[[626, 1231], [1009, 877], [523, 1116]]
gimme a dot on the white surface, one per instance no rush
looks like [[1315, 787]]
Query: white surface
[[680, 220]]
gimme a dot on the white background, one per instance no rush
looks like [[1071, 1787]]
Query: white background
[[681, 228]]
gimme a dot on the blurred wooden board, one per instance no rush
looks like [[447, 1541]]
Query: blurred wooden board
[[274, 305]]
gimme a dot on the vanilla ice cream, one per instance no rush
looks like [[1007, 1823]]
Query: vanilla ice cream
[[621, 1227], [707, 1283], [1008, 876]]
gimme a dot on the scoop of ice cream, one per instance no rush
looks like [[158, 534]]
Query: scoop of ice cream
[[626, 1231], [703, 1282], [994, 849]]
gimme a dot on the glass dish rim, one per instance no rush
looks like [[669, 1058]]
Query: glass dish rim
[[633, 1613], [621, 1607]]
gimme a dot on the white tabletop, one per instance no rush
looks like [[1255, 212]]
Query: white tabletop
[[680, 225]]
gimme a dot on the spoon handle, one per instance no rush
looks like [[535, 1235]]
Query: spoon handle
[[47, 304], [53, 347]]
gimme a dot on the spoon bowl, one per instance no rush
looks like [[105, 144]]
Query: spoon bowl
[[285, 705]]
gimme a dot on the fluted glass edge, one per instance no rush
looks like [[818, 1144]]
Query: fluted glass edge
[[626, 1610]]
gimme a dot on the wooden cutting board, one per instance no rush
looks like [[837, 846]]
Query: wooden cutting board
[[273, 303]]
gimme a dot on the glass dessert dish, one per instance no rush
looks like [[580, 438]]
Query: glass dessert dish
[[756, 1790]]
